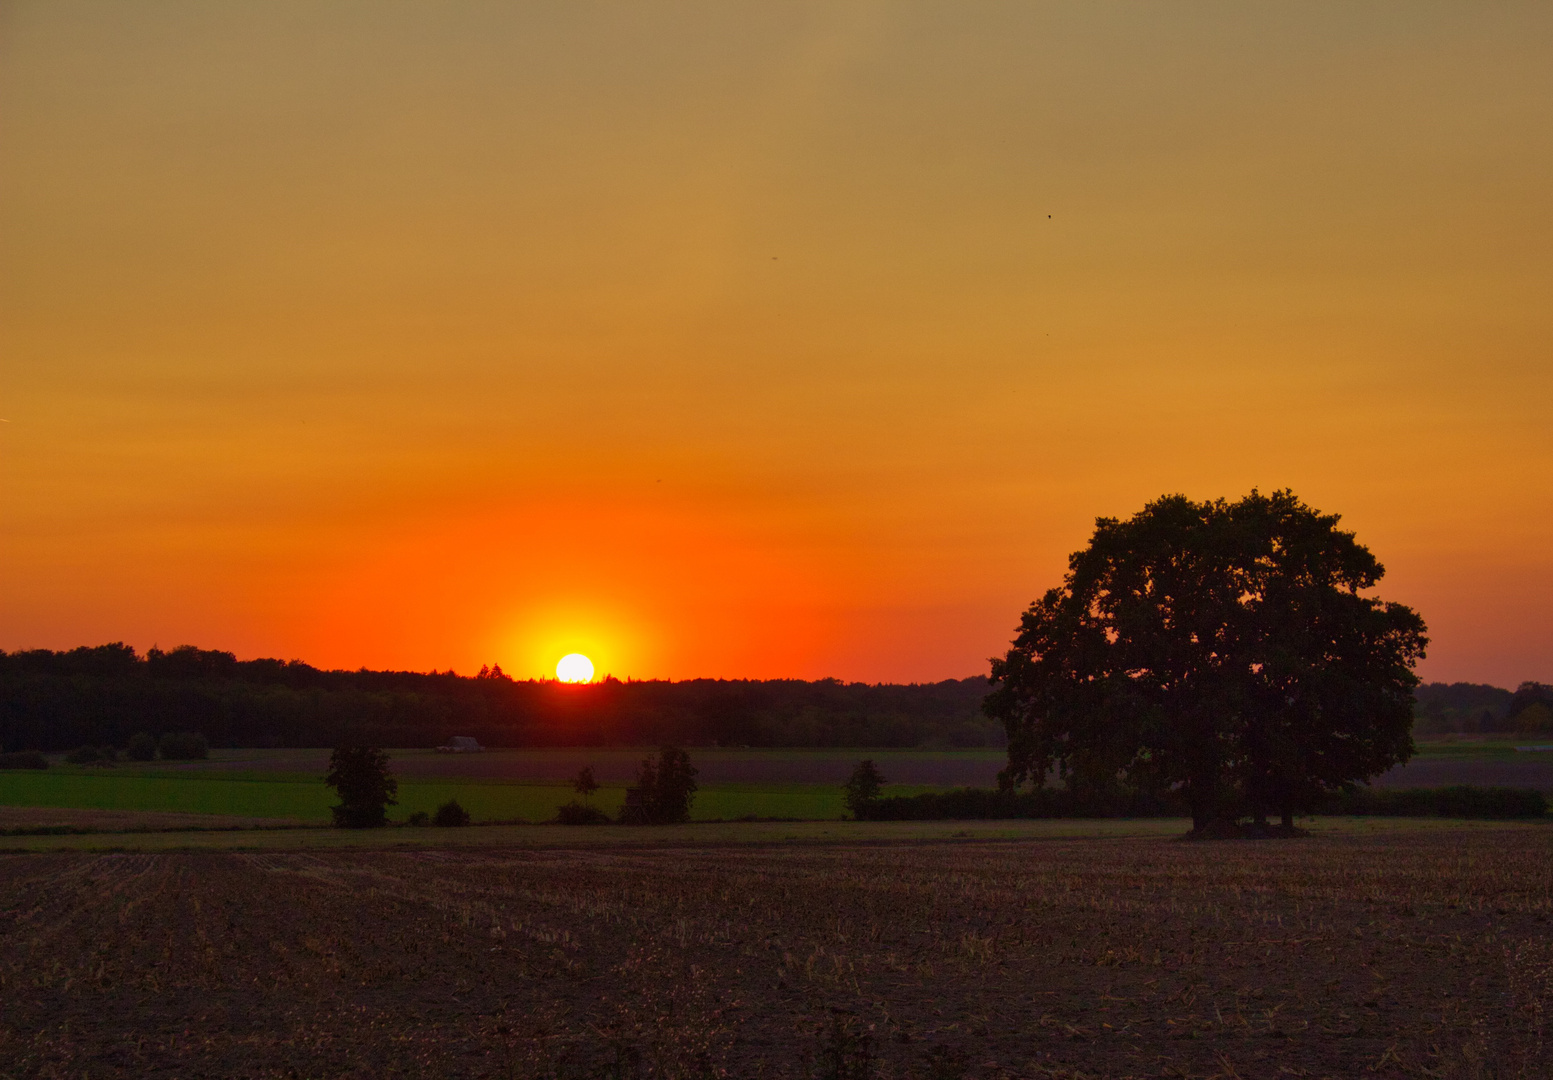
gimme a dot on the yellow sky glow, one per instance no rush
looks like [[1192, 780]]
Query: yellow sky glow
[[776, 340]]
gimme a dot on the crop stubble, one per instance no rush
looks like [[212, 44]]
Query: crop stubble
[[1411, 954]]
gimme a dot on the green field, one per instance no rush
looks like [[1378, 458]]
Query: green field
[[499, 785], [304, 799], [269, 797], [528, 785], [1482, 748]]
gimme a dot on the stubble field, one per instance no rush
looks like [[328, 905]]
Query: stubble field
[[1419, 952]]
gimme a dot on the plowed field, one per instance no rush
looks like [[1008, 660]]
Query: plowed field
[[1411, 954]]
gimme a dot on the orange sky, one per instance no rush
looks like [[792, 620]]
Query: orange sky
[[755, 340]]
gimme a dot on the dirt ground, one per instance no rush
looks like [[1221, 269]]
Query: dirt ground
[[1419, 953]]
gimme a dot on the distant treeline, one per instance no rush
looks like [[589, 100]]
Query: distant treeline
[[1476, 708], [103, 695]]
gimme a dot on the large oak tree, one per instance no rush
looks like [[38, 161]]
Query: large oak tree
[[1224, 650]]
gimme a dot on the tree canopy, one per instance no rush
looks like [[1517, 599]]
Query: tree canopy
[[862, 787], [1226, 650], [361, 776], [664, 791]]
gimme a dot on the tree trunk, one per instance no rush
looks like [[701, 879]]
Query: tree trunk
[[1202, 794], [1202, 814]]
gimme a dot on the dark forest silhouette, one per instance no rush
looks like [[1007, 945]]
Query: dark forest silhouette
[[1476, 708], [104, 695]]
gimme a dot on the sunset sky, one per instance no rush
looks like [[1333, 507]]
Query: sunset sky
[[755, 339]]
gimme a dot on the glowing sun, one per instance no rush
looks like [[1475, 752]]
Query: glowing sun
[[574, 667]]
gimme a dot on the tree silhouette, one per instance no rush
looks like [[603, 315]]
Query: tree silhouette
[[584, 784], [663, 792], [1220, 649], [862, 787], [1329, 671], [361, 776], [1528, 696]]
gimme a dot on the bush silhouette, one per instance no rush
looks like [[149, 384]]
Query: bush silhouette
[[450, 815], [23, 759], [92, 755], [576, 813], [142, 747]]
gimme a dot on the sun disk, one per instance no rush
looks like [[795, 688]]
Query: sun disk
[[574, 668]]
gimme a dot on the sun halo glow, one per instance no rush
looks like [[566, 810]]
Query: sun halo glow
[[574, 668]]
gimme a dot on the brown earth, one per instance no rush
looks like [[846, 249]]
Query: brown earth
[[1418, 953]]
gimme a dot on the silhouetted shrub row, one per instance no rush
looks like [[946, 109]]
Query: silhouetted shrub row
[[1457, 801], [23, 759], [576, 813], [174, 746], [1460, 801], [989, 804]]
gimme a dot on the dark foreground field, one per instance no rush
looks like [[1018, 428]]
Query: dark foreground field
[[1410, 953]]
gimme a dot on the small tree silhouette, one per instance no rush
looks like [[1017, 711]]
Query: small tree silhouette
[[863, 788], [663, 792], [361, 777], [584, 784], [676, 787]]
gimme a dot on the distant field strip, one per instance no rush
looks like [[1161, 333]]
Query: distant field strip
[[528, 785], [309, 800], [189, 795], [733, 834]]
